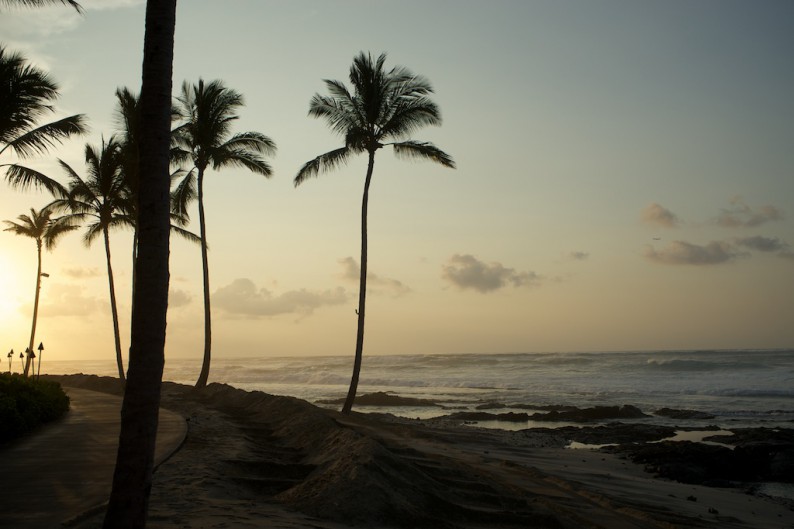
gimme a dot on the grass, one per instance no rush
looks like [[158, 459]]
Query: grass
[[26, 404]]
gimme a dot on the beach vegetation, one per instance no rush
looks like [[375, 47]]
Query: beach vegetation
[[204, 140], [27, 403], [46, 230], [383, 108], [27, 94]]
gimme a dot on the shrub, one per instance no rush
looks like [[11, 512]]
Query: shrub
[[25, 404]]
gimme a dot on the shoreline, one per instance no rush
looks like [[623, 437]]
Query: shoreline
[[251, 456]]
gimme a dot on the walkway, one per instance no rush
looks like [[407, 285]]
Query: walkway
[[66, 468]]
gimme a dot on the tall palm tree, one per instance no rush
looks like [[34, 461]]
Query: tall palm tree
[[128, 117], [132, 477], [46, 231], [384, 108], [204, 140], [102, 200], [26, 95], [41, 3]]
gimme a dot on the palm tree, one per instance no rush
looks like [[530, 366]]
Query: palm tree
[[41, 3], [102, 200], [128, 116], [204, 140], [384, 106], [26, 95], [132, 477], [46, 231]]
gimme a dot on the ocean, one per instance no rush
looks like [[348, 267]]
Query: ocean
[[740, 388]]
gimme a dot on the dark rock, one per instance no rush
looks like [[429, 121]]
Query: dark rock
[[381, 398], [491, 406], [485, 416], [683, 414], [591, 414]]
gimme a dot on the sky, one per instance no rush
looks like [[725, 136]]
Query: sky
[[624, 180]]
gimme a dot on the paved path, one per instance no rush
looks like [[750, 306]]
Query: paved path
[[66, 468]]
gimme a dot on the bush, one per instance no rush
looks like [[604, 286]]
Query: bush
[[25, 404]]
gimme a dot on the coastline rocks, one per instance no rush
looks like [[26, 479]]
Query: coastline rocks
[[598, 413], [689, 462], [698, 463], [592, 414], [381, 398], [617, 433], [683, 414]]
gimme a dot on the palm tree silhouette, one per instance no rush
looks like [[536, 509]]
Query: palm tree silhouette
[[26, 95], [46, 231], [132, 476], [128, 117], [103, 201], [204, 140], [384, 105]]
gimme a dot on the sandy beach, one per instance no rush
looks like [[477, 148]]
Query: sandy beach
[[255, 460]]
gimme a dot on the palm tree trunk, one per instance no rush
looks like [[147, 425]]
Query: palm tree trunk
[[113, 308], [134, 276], [362, 291], [205, 365], [35, 309], [132, 479]]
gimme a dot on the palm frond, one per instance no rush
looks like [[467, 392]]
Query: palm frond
[[184, 193], [23, 178], [409, 115], [241, 158], [41, 3], [423, 150], [57, 229], [254, 141], [92, 232], [185, 234], [40, 139], [324, 162]]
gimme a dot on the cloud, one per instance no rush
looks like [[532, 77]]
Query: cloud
[[466, 271], [351, 271], [578, 256], [178, 298], [740, 215], [660, 216], [45, 22], [241, 297], [762, 244], [81, 273], [684, 253], [61, 299]]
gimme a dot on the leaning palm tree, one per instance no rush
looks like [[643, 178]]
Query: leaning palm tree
[[203, 140], [46, 231], [102, 201], [26, 95], [384, 108]]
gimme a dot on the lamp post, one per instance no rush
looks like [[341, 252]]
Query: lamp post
[[10, 356], [22, 360], [41, 348]]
